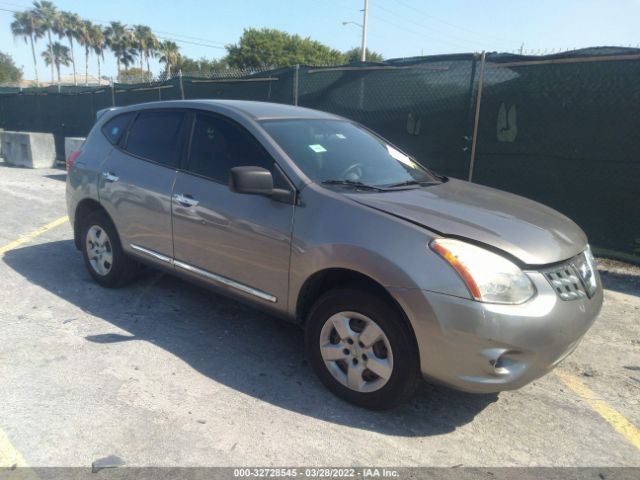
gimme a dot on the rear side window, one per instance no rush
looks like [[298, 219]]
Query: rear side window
[[218, 145], [157, 136], [115, 127]]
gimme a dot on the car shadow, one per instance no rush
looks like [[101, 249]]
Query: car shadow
[[230, 343], [58, 176], [621, 282]]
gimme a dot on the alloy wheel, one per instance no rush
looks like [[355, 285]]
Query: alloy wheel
[[356, 351], [99, 250]]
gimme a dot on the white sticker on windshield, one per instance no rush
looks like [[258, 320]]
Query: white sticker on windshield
[[317, 148], [339, 135]]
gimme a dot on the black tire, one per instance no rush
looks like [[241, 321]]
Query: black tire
[[122, 269], [405, 372]]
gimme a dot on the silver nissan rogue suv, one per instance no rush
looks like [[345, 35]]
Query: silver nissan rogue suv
[[393, 270]]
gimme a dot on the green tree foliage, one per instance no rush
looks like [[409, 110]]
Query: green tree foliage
[[202, 66], [9, 73], [268, 47], [134, 75], [353, 55]]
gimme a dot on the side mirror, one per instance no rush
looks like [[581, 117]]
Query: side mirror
[[257, 181], [253, 180]]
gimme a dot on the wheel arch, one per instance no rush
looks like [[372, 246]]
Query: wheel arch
[[83, 209], [328, 279]]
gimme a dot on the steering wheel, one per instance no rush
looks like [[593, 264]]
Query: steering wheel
[[352, 172]]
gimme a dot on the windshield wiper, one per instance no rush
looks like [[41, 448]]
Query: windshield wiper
[[408, 183], [352, 183]]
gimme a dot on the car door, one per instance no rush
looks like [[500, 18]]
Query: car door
[[137, 180], [238, 241]]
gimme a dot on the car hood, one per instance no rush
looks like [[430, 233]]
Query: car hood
[[531, 232]]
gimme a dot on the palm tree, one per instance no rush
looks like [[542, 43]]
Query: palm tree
[[46, 14], [98, 44], [147, 44], [169, 55], [57, 55], [153, 44], [85, 38], [26, 26], [68, 25], [119, 39]]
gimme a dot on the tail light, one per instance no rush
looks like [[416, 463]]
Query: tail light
[[72, 158]]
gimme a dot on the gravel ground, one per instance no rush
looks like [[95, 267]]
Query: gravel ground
[[166, 374]]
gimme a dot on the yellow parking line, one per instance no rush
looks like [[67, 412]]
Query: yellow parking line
[[9, 456], [615, 419], [30, 236]]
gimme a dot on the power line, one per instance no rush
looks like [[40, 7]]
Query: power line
[[200, 39], [422, 35], [461, 42], [468, 30], [7, 10], [375, 33], [190, 42]]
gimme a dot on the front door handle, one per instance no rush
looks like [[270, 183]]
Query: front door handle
[[185, 200], [109, 177]]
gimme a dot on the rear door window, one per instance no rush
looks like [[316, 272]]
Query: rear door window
[[157, 135], [115, 128]]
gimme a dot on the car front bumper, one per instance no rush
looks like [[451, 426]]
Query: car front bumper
[[483, 348]]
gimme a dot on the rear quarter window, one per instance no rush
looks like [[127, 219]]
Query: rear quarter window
[[115, 128]]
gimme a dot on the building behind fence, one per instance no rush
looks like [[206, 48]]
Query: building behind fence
[[561, 129]]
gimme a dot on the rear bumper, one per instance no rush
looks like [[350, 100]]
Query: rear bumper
[[483, 348]]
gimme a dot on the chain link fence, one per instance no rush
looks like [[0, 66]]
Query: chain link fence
[[563, 130], [560, 129]]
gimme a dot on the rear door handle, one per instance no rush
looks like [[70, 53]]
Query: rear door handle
[[109, 177], [185, 200]]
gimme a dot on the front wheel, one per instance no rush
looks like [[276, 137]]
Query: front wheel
[[361, 348]]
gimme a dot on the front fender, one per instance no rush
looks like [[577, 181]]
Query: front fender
[[333, 231], [306, 263]]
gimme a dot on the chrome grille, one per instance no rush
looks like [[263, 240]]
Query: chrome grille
[[565, 281]]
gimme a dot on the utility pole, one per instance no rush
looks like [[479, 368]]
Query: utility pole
[[363, 50]]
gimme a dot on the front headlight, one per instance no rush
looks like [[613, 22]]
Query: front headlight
[[488, 276]]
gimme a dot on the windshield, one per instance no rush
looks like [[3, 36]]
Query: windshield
[[341, 153]]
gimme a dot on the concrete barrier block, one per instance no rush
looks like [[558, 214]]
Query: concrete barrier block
[[28, 149], [71, 144]]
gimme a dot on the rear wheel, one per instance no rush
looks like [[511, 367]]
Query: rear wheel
[[361, 348], [103, 255]]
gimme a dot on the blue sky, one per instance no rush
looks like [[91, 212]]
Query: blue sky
[[397, 28]]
